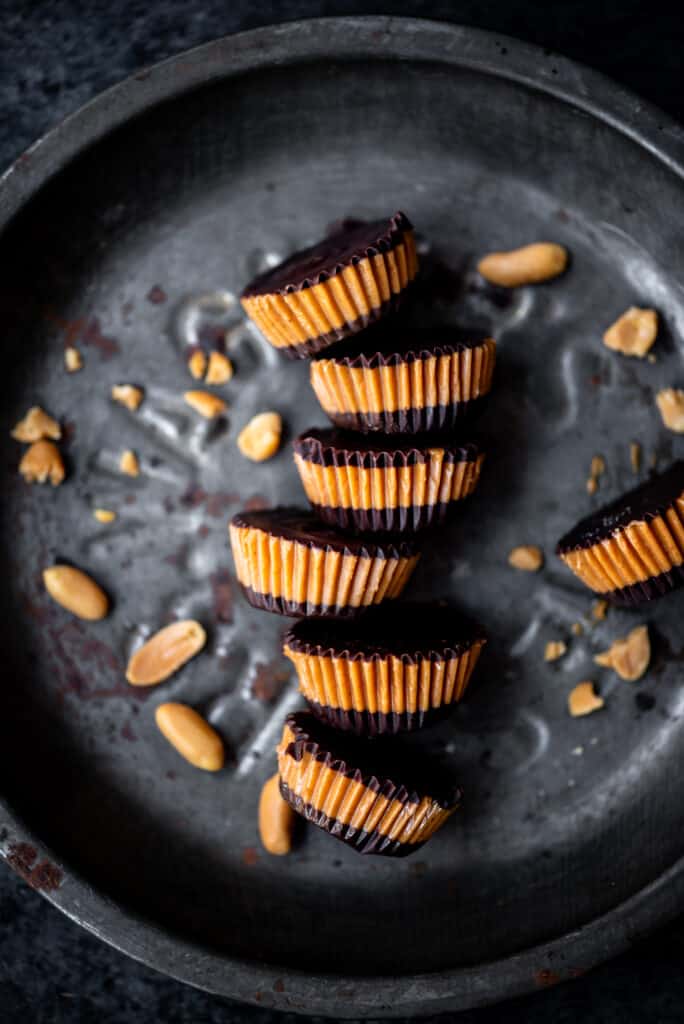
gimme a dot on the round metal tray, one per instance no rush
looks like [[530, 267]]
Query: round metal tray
[[129, 228]]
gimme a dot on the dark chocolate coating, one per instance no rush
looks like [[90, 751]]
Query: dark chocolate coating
[[378, 723], [649, 589], [643, 503], [390, 344], [389, 767], [329, 447], [363, 842], [297, 610], [300, 525], [345, 247], [402, 519], [411, 631], [417, 420]]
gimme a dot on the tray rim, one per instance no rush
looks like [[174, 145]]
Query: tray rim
[[352, 38]]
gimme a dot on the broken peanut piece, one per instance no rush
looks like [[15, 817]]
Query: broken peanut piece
[[191, 735], [128, 395], [670, 402], [73, 360], [276, 819], [104, 515], [128, 463], [583, 700], [554, 650], [592, 485], [635, 456], [260, 439], [219, 370], [529, 265], [165, 652], [207, 405], [35, 426], [197, 364], [577, 629], [598, 465], [629, 656], [633, 333], [42, 462], [526, 557], [599, 609], [76, 592]]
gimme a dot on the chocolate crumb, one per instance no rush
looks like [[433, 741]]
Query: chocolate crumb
[[645, 701], [156, 295]]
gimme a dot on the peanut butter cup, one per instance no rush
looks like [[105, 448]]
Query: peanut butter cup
[[333, 289], [405, 381], [371, 796], [632, 550], [381, 484], [392, 670], [288, 562]]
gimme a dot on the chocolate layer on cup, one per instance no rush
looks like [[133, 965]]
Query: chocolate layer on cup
[[288, 562], [392, 670], [331, 290], [370, 795], [405, 381], [378, 484], [632, 550]]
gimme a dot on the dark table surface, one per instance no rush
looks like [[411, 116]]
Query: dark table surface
[[53, 58]]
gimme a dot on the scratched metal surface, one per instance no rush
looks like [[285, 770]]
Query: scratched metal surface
[[137, 249]]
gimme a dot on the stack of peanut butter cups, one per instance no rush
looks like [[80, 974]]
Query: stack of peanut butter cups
[[390, 469]]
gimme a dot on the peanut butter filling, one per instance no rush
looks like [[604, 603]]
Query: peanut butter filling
[[315, 577], [423, 383], [347, 298], [351, 803], [388, 685], [640, 551], [438, 480]]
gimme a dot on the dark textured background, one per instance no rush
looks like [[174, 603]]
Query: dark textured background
[[54, 57]]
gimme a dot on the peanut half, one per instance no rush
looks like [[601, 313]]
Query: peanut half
[[207, 405], [629, 656], [529, 265], [219, 370], [35, 426], [583, 700], [554, 650], [73, 360], [191, 735], [197, 364], [128, 463], [527, 557], [670, 402], [276, 819], [42, 462], [104, 515], [633, 333], [260, 439], [128, 395], [165, 652], [76, 592]]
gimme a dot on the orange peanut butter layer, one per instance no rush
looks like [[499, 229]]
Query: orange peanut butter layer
[[365, 797], [288, 562], [335, 288], [408, 382], [380, 484], [394, 670], [632, 550]]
